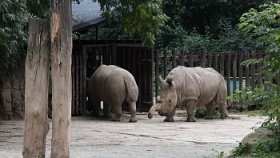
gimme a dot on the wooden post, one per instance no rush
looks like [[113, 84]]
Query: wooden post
[[165, 66], [259, 56], [182, 58], [210, 60], [173, 58], [190, 58], [216, 62], [241, 56], [84, 82], [247, 71], [61, 53], [222, 65], [253, 71], [228, 72], [36, 89], [234, 70], [202, 57], [156, 71]]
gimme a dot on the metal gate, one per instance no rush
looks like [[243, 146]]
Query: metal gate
[[135, 58]]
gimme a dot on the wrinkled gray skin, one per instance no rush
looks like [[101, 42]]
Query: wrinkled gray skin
[[113, 85], [190, 88]]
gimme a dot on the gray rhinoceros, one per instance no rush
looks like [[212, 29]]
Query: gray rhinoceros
[[113, 85], [191, 87]]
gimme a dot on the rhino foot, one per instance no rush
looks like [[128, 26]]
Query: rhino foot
[[150, 115], [191, 119], [133, 120], [223, 116], [116, 120], [167, 119], [209, 117], [107, 115], [224, 113]]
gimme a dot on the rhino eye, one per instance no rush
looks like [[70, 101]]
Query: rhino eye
[[169, 101]]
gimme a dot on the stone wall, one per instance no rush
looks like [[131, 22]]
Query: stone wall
[[12, 97]]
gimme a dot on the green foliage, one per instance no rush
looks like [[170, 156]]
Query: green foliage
[[13, 36], [209, 24], [39, 8], [246, 97], [229, 39], [201, 13], [267, 149], [232, 39], [264, 24], [262, 149], [176, 36], [144, 17], [112, 31], [242, 150]]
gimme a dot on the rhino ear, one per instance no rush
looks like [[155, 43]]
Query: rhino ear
[[169, 81]]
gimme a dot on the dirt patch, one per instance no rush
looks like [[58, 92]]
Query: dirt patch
[[149, 138]]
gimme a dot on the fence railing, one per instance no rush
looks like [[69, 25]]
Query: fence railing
[[227, 64]]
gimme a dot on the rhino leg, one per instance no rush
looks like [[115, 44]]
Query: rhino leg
[[210, 110], [170, 118], [116, 118], [223, 109], [106, 110], [117, 109], [132, 107], [221, 100], [190, 108], [95, 106]]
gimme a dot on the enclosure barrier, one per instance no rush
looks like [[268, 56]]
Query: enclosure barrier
[[146, 63], [228, 64]]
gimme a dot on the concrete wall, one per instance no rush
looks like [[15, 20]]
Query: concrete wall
[[12, 96]]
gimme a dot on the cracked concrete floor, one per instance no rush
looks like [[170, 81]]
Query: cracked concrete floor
[[148, 138]]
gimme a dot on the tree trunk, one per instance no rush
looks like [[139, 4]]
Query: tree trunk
[[36, 89], [61, 53]]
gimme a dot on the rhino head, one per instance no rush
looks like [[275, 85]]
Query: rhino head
[[169, 97]]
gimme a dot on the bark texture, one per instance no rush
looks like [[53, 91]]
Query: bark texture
[[36, 89], [61, 53]]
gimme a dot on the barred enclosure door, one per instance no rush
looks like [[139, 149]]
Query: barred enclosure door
[[138, 61], [135, 58]]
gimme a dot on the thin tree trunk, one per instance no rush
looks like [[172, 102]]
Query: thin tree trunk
[[36, 89], [61, 53]]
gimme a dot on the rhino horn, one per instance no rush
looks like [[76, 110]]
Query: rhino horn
[[160, 79]]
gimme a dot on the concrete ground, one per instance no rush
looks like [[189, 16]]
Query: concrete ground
[[148, 138]]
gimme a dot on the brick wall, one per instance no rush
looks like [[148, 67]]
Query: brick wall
[[12, 97]]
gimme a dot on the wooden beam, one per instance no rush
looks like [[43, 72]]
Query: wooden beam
[[61, 54], [36, 89]]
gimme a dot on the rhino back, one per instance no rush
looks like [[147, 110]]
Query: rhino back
[[111, 84], [131, 87], [129, 81], [203, 83]]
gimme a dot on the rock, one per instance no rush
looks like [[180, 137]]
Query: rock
[[261, 134]]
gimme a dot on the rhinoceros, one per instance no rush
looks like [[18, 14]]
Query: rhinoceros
[[113, 85], [191, 87]]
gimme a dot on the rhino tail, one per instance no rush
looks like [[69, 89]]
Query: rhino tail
[[131, 88]]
